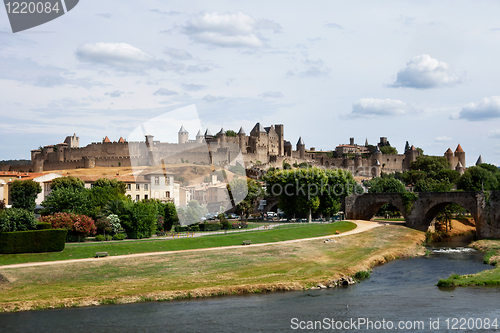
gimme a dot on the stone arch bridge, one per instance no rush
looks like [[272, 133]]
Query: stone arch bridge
[[483, 206]]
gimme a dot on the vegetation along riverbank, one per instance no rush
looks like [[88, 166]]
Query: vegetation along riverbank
[[490, 277], [246, 269]]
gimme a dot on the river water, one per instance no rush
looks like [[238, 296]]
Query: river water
[[401, 293]]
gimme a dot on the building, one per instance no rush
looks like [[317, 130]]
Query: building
[[263, 144], [44, 179]]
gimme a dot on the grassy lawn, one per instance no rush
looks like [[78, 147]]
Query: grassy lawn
[[485, 278], [88, 250], [281, 266]]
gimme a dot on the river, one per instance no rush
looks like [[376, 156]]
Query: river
[[401, 292]]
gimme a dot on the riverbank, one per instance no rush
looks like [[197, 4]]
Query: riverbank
[[490, 277], [272, 267]]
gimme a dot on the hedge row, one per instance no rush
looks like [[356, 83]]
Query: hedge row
[[33, 241]]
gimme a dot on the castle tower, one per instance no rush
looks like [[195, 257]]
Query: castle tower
[[410, 156], [280, 130], [366, 142], [480, 160], [208, 135], [72, 141], [60, 151], [221, 138], [460, 168], [183, 135], [301, 148], [351, 141], [288, 148], [377, 154], [241, 138], [460, 154], [449, 156], [357, 160], [376, 169], [199, 137]]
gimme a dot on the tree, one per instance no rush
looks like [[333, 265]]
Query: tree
[[139, 219], [113, 183], [192, 213], [67, 200], [407, 146], [17, 219], [238, 169], [67, 182], [231, 133], [388, 150], [430, 164], [388, 185], [433, 185], [244, 193], [478, 179], [23, 194], [304, 191], [413, 176]]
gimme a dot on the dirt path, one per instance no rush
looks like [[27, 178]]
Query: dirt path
[[361, 227]]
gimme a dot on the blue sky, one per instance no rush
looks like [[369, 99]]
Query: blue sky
[[418, 71]]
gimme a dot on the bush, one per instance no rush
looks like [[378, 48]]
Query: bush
[[209, 226], [101, 238], [119, 237], [195, 227], [362, 275], [139, 219], [241, 225], [43, 226], [17, 219], [33, 241], [80, 224]]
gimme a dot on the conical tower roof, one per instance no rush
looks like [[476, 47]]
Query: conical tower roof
[[199, 133], [300, 142], [222, 132], [377, 151], [448, 152], [207, 132], [377, 163], [122, 140], [480, 160], [459, 165], [183, 130], [413, 147], [241, 131], [258, 128], [459, 149], [106, 139]]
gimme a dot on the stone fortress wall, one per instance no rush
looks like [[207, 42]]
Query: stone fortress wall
[[263, 147]]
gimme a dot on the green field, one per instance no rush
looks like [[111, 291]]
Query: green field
[[88, 250]]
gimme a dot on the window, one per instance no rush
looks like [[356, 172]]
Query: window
[[146, 187], [157, 180], [167, 194], [146, 197], [91, 185], [167, 181], [137, 187], [137, 197], [129, 187]]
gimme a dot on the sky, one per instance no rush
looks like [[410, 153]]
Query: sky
[[425, 72]]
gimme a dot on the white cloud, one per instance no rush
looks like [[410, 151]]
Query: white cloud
[[122, 56], [105, 15], [193, 87], [443, 138], [372, 107], [116, 93], [228, 30], [177, 53], [272, 94], [424, 72], [334, 25], [165, 92], [487, 108], [209, 98], [495, 134]]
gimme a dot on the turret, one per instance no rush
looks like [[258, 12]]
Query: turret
[[280, 130], [459, 168], [376, 169], [357, 160], [411, 156], [480, 160], [288, 148], [199, 137], [301, 148], [241, 140], [460, 154], [183, 135], [221, 138]]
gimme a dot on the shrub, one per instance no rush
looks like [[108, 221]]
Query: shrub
[[43, 226], [32, 241], [80, 224], [119, 236], [139, 219], [240, 225], [23, 194], [99, 238], [17, 219], [362, 275]]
